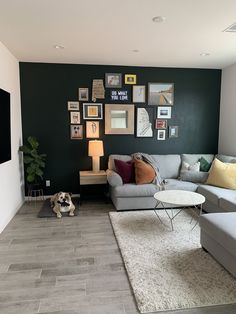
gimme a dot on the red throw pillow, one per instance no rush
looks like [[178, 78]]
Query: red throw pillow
[[126, 170]]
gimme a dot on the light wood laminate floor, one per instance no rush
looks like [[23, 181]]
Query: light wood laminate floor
[[67, 266]]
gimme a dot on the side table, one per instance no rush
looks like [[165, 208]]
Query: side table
[[92, 178]]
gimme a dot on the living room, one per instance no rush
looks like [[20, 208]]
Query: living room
[[57, 63]]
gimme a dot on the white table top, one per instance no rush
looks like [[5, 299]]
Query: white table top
[[179, 197]]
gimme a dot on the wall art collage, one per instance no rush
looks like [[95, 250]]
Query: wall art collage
[[125, 112]]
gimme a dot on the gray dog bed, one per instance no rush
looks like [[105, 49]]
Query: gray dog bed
[[47, 212]]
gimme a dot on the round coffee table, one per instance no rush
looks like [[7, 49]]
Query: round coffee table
[[176, 199]]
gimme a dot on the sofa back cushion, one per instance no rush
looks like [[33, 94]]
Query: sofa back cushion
[[111, 164], [225, 158], [193, 158], [169, 165]]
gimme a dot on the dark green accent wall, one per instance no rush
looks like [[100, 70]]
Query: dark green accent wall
[[46, 88]]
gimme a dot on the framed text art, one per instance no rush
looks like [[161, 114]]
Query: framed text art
[[92, 111], [160, 94]]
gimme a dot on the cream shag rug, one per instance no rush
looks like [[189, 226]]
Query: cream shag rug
[[168, 270]]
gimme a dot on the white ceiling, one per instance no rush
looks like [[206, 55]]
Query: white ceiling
[[107, 31]]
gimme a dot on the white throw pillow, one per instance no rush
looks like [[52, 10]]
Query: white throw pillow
[[187, 166]]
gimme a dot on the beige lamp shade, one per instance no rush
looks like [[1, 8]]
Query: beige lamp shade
[[95, 148]]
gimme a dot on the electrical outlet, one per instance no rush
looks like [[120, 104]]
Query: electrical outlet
[[48, 182]]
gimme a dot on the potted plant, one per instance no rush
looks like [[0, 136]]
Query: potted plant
[[35, 163]]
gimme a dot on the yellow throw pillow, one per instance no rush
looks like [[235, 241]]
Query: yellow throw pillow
[[222, 175]]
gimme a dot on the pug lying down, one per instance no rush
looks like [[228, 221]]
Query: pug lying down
[[61, 203]]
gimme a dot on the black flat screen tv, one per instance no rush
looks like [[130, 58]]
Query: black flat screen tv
[[5, 126]]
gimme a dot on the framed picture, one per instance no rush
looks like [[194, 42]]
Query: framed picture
[[139, 93], [75, 117], [76, 131], [92, 111], [161, 135], [92, 129], [160, 94], [144, 127], [164, 112], [173, 131], [119, 119], [161, 124], [130, 78], [73, 105], [83, 94], [113, 80]]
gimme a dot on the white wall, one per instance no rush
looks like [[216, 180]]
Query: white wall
[[227, 130], [11, 179]]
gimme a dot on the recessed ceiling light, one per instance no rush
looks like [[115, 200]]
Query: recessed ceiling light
[[159, 19], [135, 50], [204, 54], [58, 47]]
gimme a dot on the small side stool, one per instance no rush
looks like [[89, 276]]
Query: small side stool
[[36, 195]]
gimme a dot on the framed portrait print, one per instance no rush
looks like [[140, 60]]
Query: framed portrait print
[[119, 119], [83, 94], [113, 80], [161, 135], [164, 112], [161, 124], [92, 129], [73, 105], [160, 94], [173, 131], [144, 127], [75, 117], [92, 111], [130, 78], [139, 93], [76, 131]]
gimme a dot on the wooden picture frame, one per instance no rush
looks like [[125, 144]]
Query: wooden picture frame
[[119, 119], [160, 94], [113, 80], [139, 93], [92, 129], [144, 119], [76, 131], [83, 94], [92, 111], [73, 105]]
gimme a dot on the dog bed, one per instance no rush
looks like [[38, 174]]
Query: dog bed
[[47, 212]]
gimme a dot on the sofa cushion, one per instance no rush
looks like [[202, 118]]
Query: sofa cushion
[[222, 175], [213, 193], [229, 203], [144, 173], [193, 158], [169, 165], [194, 176], [174, 184], [226, 158], [187, 167], [134, 190], [111, 164], [221, 227], [125, 169]]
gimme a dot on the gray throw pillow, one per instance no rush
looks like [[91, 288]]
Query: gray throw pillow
[[194, 176]]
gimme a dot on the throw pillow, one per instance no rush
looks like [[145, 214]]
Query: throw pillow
[[204, 165], [126, 170], [144, 173], [222, 175], [193, 176], [187, 166]]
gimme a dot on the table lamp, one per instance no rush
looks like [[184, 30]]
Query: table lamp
[[95, 150]]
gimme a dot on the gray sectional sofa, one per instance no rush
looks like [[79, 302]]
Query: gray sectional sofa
[[131, 196]]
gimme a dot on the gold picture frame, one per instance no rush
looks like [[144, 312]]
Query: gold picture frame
[[130, 79]]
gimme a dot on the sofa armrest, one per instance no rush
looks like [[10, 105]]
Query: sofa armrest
[[113, 178]]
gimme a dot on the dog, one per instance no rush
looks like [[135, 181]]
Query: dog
[[61, 203]]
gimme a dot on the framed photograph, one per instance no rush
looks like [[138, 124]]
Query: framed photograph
[[144, 127], [164, 112], [119, 119], [92, 111], [83, 94], [161, 135], [130, 78], [113, 80], [73, 105], [76, 131], [160, 94], [139, 93], [173, 131], [161, 124], [75, 117], [92, 129]]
